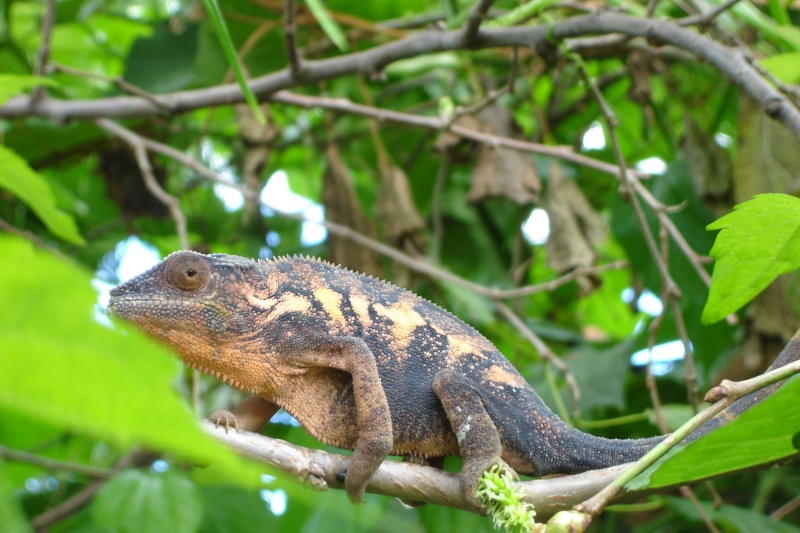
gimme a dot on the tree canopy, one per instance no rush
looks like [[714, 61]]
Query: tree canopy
[[607, 191]]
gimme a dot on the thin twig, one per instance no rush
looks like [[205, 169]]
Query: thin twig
[[627, 190], [785, 509], [687, 493], [54, 464], [794, 92], [490, 98], [341, 104], [544, 352], [117, 81], [140, 152], [69, 506], [652, 385], [43, 54], [72, 504], [661, 212], [35, 239], [473, 24], [690, 372], [704, 19], [290, 30]]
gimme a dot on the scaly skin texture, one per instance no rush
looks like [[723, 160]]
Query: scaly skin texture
[[360, 363]]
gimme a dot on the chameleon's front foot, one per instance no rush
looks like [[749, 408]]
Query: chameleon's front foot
[[224, 418], [367, 457]]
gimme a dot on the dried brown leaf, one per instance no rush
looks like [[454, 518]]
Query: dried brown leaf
[[401, 222], [575, 227], [343, 207]]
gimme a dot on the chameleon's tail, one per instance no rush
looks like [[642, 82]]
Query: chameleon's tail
[[576, 452]]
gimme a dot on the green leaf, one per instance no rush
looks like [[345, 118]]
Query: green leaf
[[162, 62], [605, 310], [601, 373], [765, 433], [329, 26], [141, 502], [233, 510], [70, 371], [675, 415], [731, 518], [759, 241], [14, 84], [778, 12], [785, 67], [24, 183], [224, 36]]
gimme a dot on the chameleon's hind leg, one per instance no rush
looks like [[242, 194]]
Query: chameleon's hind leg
[[478, 439]]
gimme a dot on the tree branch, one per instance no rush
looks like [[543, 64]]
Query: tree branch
[[290, 30], [408, 481], [43, 54], [473, 24], [412, 482], [730, 61]]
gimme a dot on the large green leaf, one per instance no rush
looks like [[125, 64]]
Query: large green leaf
[[24, 183], [765, 433], [61, 366], [143, 502], [759, 240], [601, 373], [233, 510]]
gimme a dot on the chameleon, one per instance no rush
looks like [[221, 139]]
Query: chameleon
[[362, 365]]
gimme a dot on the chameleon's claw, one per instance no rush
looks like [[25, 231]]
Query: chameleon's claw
[[315, 477], [224, 418]]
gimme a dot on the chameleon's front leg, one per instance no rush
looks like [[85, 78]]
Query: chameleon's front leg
[[478, 440], [373, 418], [250, 415]]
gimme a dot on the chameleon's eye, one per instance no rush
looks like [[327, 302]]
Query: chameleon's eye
[[187, 271]]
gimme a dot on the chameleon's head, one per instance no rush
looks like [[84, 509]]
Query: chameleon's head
[[190, 301]]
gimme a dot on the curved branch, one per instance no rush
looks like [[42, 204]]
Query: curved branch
[[730, 61], [411, 482], [319, 469]]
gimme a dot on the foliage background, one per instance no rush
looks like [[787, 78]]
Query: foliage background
[[75, 184]]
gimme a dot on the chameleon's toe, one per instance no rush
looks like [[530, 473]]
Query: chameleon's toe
[[224, 418], [354, 488]]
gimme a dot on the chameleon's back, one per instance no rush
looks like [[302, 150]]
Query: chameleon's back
[[412, 340]]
